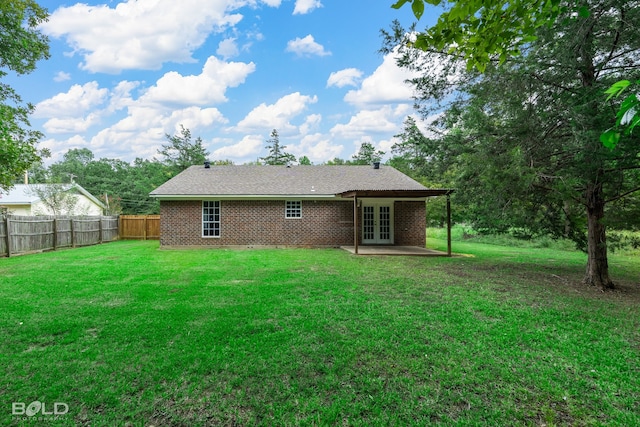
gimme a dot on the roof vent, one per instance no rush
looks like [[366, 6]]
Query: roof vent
[[376, 165], [207, 164]]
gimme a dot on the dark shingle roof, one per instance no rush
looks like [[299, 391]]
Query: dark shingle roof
[[283, 180]]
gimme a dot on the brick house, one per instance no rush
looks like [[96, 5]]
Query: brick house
[[306, 206]]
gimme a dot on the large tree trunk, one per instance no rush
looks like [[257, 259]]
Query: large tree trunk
[[597, 263]]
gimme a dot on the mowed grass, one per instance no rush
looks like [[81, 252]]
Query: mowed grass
[[126, 334]]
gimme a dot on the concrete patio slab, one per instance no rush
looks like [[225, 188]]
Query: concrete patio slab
[[394, 250]]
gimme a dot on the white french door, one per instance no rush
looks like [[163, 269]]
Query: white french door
[[377, 223]]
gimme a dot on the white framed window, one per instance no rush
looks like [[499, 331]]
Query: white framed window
[[293, 209], [210, 218]]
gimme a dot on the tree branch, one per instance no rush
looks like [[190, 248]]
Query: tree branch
[[557, 85], [625, 194]]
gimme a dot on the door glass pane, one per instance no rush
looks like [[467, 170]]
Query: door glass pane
[[368, 223], [385, 223]]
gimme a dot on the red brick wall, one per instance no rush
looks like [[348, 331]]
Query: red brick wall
[[262, 222], [410, 221]]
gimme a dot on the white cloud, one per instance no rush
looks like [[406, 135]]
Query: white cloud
[[228, 48], [142, 34], [71, 125], [305, 6], [206, 88], [278, 115], [385, 85], [306, 46], [312, 122], [121, 96], [346, 77], [142, 131], [317, 148], [247, 149], [61, 76], [367, 122], [59, 147], [73, 103]]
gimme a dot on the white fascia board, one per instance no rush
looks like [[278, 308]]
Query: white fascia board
[[248, 197]]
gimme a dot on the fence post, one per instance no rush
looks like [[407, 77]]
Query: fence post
[[7, 222], [55, 233], [119, 227], [145, 227], [73, 237], [100, 229]]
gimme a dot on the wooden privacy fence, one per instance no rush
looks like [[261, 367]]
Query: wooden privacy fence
[[23, 234], [142, 227]]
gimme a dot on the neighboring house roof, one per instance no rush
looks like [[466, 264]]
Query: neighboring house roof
[[304, 181], [24, 194]]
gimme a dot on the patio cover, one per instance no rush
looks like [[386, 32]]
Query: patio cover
[[398, 194]]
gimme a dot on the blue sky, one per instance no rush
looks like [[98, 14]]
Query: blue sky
[[122, 74]]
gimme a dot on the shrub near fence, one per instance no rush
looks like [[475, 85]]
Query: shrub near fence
[[24, 234]]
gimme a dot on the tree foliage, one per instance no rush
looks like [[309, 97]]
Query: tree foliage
[[628, 115], [483, 31], [523, 137], [22, 45], [277, 155], [181, 152], [366, 155]]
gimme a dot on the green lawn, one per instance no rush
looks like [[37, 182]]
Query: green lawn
[[124, 333]]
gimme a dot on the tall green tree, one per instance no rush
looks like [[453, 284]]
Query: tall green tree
[[413, 151], [181, 152], [277, 155], [528, 130], [366, 155], [22, 45], [492, 31]]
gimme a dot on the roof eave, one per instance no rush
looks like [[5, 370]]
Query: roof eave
[[241, 196], [434, 192]]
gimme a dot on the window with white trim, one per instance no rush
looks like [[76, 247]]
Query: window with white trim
[[293, 209], [210, 218]]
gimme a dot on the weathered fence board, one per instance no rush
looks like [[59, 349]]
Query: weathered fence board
[[24, 234], [140, 227]]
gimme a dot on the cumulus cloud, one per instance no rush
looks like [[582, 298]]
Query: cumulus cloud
[[142, 34], [143, 130], [73, 103], [346, 77], [312, 122], [71, 125], [305, 6], [278, 115], [206, 88], [367, 122], [385, 85], [306, 46], [317, 147], [248, 148]]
